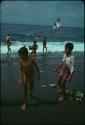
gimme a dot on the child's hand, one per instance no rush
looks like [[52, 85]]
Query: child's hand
[[20, 82], [55, 70], [69, 79]]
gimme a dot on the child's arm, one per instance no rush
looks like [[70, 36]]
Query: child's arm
[[71, 76], [21, 73], [72, 68], [59, 66], [72, 65]]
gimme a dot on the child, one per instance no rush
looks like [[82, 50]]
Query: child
[[44, 44], [34, 48], [27, 74], [35, 36], [8, 43], [66, 69]]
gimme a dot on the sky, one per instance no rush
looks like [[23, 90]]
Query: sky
[[43, 12]]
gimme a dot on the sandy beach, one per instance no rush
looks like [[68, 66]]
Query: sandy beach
[[43, 107]]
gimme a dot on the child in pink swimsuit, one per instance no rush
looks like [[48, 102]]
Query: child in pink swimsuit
[[66, 69]]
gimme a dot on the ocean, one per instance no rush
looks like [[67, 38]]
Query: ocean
[[22, 34]]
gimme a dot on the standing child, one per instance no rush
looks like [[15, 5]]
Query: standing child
[[66, 69], [27, 74], [34, 48], [8, 43], [44, 44], [35, 36]]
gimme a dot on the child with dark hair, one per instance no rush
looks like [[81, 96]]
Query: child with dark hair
[[34, 48], [27, 74], [66, 69]]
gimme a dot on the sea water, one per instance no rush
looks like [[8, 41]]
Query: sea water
[[22, 34]]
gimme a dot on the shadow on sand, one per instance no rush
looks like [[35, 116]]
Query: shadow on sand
[[38, 102]]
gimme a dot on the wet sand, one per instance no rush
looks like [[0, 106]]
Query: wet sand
[[43, 107]]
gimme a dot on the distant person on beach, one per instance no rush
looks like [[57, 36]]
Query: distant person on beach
[[8, 43], [35, 37], [44, 43], [28, 74], [66, 69], [34, 48]]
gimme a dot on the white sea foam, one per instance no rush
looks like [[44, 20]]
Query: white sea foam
[[51, 46]]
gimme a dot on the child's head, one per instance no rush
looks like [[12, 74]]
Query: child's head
[[68, 48], [23, 52], [34, 42]]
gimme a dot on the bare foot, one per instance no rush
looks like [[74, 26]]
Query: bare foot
[[23, 107], [61, 98]]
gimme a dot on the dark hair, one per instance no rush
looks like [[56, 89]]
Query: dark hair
[[69, 46], [23, 50], [34, 41]]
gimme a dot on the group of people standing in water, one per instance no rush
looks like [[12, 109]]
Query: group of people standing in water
[[34, 47]]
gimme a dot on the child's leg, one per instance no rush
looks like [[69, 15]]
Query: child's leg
[[63, 84], [31, 86], [35, 54], [63, 89], [59, 83], [9, 49], [23, 107], [46, 49], [43, 49], [25, 93], [32, 52]]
